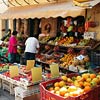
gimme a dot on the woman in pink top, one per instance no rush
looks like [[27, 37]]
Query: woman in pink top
[[12, 48]]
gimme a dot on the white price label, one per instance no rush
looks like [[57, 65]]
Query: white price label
[[73, 68], [80, 57]]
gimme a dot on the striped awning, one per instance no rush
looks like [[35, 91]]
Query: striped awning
[[62, 9]]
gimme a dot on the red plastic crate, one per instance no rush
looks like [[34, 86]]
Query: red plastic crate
[[99, 92], [47, 95], [72, 75]]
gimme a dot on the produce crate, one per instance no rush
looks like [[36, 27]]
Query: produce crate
[[47, 95], [99, 92], [95, 58], [72, 75], [8, 86]]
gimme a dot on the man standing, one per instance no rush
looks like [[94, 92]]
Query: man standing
[[31, 48]]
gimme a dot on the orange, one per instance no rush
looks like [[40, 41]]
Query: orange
[[81, 83], [51, 88], [76, 83], [75, 94], [85, 76], [78, 77], [88, 79], [69, 80], [92, 76], [96, 80], [56, 84], [64, 78], [62, 93], [87, 88], [56, 88], [61, 83], [87, 84]]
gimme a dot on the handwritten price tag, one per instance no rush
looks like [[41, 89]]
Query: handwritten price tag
[[54, 70], [30, 64], [13, 71]]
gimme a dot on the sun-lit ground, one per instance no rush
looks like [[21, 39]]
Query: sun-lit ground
[[5, 95]]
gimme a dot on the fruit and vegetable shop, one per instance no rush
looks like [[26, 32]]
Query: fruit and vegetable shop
[[67, 65]]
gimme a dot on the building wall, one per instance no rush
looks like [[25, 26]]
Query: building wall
[[3, 8], [95, 16]]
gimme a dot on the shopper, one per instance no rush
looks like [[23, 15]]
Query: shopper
[[12, 47], [31, 47]]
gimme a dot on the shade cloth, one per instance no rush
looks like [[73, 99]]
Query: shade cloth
[[54, 10], [92, 3]]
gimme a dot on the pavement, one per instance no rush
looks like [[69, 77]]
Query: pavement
[[5, 95]]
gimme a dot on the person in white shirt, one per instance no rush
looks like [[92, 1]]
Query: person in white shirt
[[31, 48]]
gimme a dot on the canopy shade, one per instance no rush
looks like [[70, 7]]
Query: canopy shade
[[54, 10]]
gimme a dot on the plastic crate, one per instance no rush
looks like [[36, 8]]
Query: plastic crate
[[99, 92], [72, 75], [47, 95]]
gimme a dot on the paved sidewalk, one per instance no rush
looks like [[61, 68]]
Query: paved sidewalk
[[4, 95]]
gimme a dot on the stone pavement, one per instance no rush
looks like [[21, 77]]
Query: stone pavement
[[4, 95]]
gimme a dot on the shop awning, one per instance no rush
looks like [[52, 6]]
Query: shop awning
[[54, 10], [92, 3]]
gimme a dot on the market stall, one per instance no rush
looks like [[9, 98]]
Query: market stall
[[65, 50]]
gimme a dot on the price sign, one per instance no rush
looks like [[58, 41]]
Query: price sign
[[36, 74], [80, 57], [89, 35], [13, 70], [30, 64], [54, 68]]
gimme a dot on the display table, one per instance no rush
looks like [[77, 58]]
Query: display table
[[19, 89]]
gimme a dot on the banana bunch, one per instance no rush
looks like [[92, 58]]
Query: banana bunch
[[81, 3]]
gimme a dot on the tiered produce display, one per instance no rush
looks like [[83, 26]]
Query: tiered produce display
[[70, 58], [71, 41]]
